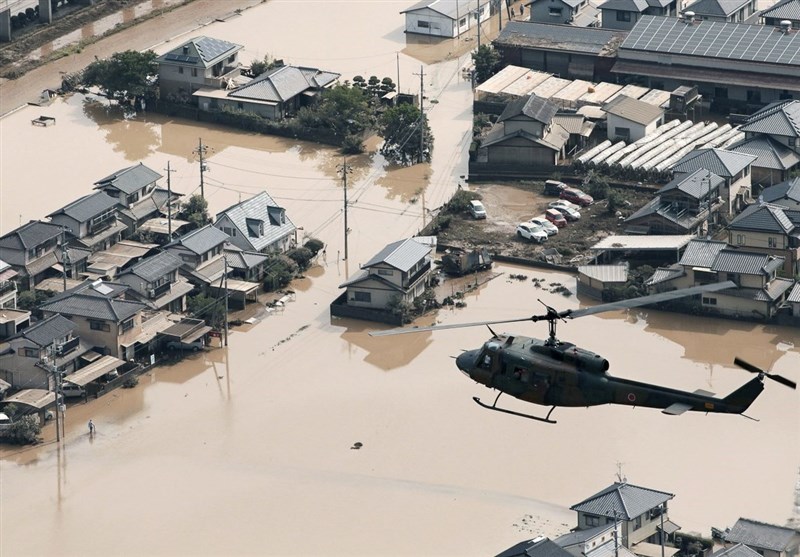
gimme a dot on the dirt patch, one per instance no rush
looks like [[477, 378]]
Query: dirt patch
[[508, 204]]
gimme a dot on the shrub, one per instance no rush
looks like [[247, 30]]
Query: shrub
[[280, 272], [401, 308], [352, 144], [615, 201], [459, 203], [302, 256], [24, 430], [314, 245], [130, 382]]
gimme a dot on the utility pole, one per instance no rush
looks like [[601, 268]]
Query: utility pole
[[64, 256], [345, 170], [225, 275], [169, 200], [398, 74], [421, 113], [57, 386], [500, 15], [478, 18], [201, 152]]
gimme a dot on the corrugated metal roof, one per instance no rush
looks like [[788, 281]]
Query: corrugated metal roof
[[624, 500], [601, 42], [605, 273], [201, 51], [401, 255], [129, 180], [638, 242], [701, 253], [709, 39], [534, 107], [769, 153], [744, 262], [87, 374], [49, 329], [716, 8], [262, 208], [763, 217], [794, 295], [787, 9], [450, 8], [30, 235], [778, 118], [719, 161], [633, 109]]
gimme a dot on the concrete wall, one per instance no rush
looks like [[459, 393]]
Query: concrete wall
[[610, 19], [521, 152], [637, 131], [547, 11]]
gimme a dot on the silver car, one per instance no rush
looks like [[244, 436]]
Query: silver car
[[548, 226]]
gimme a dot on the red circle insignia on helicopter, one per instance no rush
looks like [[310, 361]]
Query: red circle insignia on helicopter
[[631, 397]]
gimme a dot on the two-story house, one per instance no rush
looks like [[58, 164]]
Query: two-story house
[[734, 168], [91, 221], [524, 135], [623, 14], [399, 272], [630, 119], [29, 359], [35, 250], [539, 546], [155, 281], [786, 194], [731, 11], [446, 18], [767, 540], [641, 513], [783, 10], [199, 62], [250, 266], [257, 224], [136, 190], [774, 161], [580, 13], [770, 229], [600, 541], [8, 286], [779, 120], [688, 204], [201, 252]]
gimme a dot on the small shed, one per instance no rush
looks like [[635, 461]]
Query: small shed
[[631, 119], [594, 279]]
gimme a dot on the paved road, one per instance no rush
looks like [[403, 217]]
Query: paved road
[[17, 92]]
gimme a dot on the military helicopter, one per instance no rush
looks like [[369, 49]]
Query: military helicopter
[[555, 373]]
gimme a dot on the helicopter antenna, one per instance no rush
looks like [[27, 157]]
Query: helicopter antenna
[[620, 476]]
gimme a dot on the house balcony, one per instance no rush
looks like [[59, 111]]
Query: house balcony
[[97, 228], [416, 276], [68, 346], [7, 286], [227, 73], [159, 291]]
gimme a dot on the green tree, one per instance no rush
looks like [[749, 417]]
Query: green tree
[[205, 307], [24, 430], [314, 244], [280, 270], [487, 62], [126, 75], [301, 256], [401, 130], [195, 210], [257, 67]]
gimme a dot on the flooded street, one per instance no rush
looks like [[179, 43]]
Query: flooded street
[[249, 449]]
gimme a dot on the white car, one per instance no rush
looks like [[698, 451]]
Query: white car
[[548, 226], [532, 232], [565, 208]]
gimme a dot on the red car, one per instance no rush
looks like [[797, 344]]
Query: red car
[[555, 217], [576, 196]]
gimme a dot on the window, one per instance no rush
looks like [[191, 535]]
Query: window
[[772, 242], [556, 12], [385, 272], [740, 239], [792, 141], [753, 96], [637, 522], [623, 16], [423, 24], [362, 297], [591, 520], [127, 325], [720, 92], [194, 72], [180, 69], [99, 325], [30, 353], [623, 133], [240, 105], [462, 22]]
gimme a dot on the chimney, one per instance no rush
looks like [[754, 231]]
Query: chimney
[[688, 17], [786, 26], [186, 49]]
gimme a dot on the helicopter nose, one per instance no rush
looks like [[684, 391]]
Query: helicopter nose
[[466, 361]]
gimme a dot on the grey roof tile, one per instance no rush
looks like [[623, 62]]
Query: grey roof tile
[[283, 83], [94, 307], [581, 536], [244, 260], [601, 42], [779, 118], [130, 179], [30, 235], [763, 217], [786, 9], [760, 535], [201, 52], [450, 8], [260, 208], [627, 500], [536, 108], [701, 253], [665, 274], [536, 547], [785, 191], [402, 255], [745, 262], [794, 295], [201, 240], [738, 550], [49, 329], [716, 8], [770, 153], [156, 266], [637, 6], [87, 207], [719, 161], [696, 184]]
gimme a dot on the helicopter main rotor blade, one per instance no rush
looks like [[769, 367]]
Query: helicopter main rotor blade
[[755, 369], [407, 330], [653, 298]]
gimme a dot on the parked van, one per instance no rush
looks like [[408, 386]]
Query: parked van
[[72, 390], [554, 187], [477, 210], [555, 217]]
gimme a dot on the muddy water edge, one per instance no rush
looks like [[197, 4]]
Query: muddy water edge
[[249, 449]]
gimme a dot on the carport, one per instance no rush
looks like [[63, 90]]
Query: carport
[[35, 401], [656, 246], [93, 371], [239, 290]]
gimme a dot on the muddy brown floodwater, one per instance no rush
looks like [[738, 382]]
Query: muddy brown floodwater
[[249, 449]]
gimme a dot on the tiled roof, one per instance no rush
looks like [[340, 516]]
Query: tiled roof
[[590, 40], [770, 153], [30, 235], [719, 161], [156, 266], [402, 255], [665, 275], [771, 292], [785, 191], [87, 207], [637, 6], [582, 536], [701, 253], [633, 110], [244, 260], [554, 140], [760, 535], [745, 262], [201, 51], [716, 8], [364, 275], [260, 208], [763, 218], [794, 295], [623, 500], [696, 184], [738, 550], [283, 83], [47, 330], [450, 8], [94, 307], [537, 547], [129, 180], [201, 240], [778, 118], [536, 108], [786, 9]]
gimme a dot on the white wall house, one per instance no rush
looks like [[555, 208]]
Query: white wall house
[[446, 18]]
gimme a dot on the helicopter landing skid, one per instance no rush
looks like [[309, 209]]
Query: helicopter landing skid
[[520, 414]]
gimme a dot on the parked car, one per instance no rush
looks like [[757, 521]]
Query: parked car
[[555, 217], [554, 187], [188, 346], [569, 212], [532, 232], [577, 196], [72, 390], [477, 210], [548, 226]]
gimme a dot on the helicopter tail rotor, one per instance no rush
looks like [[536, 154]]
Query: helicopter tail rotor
[[755, 369]]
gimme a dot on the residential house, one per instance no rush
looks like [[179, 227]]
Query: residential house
[[8, 286], [688, 204], [91, 222], [767, 540], [761, 67], [623, 14], [793, 299], [779, 121], [770, 229], [786, 194], [104, 320], [202, 254], [759, 291], [257, 224], [446, 18], [600, 541], [630, 119], [275, 94], [641, 513], [34, 251], [108, 263], [783, 10], [156, 282], [524, 135], [731, 11], [580, 13], [774, 161], [563, 50], [13, 321], [136, 190], [248, 266], [735, 550], [29, 359], [578, 127], [199, 62], [400, 271], [536, 547], [732, 167]]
